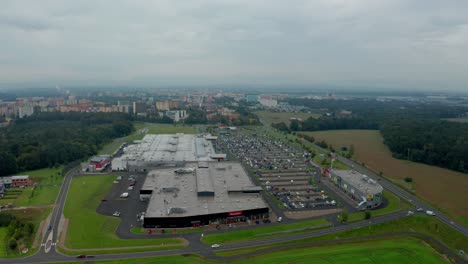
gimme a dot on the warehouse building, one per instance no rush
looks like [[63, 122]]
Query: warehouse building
[[99, 163], [201, 193], [165, 150], [365, 191]]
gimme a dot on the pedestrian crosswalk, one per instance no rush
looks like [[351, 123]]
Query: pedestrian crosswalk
[[44, 244]]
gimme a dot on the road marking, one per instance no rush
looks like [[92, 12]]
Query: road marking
[[49, 243]]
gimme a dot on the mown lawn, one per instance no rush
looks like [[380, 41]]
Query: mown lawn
[[264, 232], [398, 250], [88, 229], [416, 223], [46, 176], [394, 204]]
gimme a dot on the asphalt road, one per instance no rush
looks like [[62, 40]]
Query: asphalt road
[[418, 203], [197, 247]]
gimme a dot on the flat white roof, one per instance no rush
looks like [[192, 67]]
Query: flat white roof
[[189, 194], [170, 148], [359, 181]]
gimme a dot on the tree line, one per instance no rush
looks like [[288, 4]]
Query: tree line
[[434, 142], [49, 139], [412, 130]]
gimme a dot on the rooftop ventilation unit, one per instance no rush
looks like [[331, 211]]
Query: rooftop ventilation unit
[[176, 210]]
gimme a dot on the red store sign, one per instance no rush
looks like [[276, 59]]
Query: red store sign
[[235, 213]]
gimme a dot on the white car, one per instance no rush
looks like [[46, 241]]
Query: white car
[[419, 209], [124, 195], [130, 188], [280, 219], [410, 212], [116, 213], [430, 213], [215, 246]]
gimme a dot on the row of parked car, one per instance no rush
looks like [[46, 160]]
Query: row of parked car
[[131, 185]]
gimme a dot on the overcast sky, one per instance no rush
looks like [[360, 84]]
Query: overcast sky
[[373, 43]]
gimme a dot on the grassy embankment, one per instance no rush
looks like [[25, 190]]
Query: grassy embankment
[[265, 232], [418, 223], [394, 204], [441, 187], [397, 250], [89, 230]]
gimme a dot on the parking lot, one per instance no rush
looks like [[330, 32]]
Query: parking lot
[[282, 169], [129, 207]]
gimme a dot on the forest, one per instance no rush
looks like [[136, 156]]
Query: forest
[[48, 139], [434, 142], [411, 130]]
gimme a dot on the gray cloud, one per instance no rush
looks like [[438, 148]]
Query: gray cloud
[[393, 43]]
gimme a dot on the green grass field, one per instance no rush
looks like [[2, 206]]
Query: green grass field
[[264, 232], [46, 176], [89, 230], [394, 204], [30, 215], [417, 223], [439, 186], [397, 250], [276, 117], [3, 233], [48, 185]]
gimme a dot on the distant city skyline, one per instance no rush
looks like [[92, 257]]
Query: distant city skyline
[[383, 45]]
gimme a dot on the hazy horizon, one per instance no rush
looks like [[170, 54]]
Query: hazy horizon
[[383, 46]]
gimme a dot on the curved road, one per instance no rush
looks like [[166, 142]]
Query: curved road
[[205, 250], [196, 247], [388, 185]]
